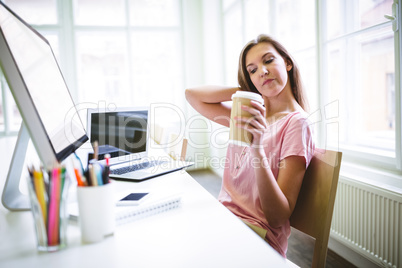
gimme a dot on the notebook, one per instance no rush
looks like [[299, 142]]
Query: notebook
[[128, 214], [131, 213], [123, 133]]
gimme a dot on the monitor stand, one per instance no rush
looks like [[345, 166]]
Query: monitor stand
[[13, 199]]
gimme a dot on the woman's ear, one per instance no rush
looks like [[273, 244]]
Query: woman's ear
[[289, 65]]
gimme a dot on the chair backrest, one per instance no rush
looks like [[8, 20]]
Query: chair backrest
[[174, 145], [177, 149], [157, 133], [314, 207]]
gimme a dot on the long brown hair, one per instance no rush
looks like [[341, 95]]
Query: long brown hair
[[294, 74]]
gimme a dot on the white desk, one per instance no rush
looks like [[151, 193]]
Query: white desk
[[202, 233]]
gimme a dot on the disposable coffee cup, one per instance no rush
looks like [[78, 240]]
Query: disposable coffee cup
[[239, 135]]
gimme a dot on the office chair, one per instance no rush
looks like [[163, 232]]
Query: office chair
[[169, 141], [177, 150], [157, 132], [312, 214]]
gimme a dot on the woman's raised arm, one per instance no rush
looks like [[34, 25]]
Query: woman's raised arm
[[210, 102]]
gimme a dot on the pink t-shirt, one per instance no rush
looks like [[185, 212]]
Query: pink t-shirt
[[291, 135]]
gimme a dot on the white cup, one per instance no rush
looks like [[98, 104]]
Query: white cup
[[238, 135], [96, 212]]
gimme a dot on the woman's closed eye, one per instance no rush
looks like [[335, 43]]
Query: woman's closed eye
[[251, 71], [269, 60]]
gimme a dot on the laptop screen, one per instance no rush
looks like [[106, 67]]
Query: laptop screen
[[119, 133]]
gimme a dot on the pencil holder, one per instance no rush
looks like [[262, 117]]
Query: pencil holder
[[48, 196], [96, 212]]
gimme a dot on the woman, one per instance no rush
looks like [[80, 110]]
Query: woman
[[261, 182]]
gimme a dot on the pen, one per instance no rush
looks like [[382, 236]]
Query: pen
[[53, 209], [98, 172], [63, 179], [80, 182], [106, 169], [107, 158], [78, 171], [30, 170], [87, 177], [80, 163], [40, 192], [96, 149], [92, 175]]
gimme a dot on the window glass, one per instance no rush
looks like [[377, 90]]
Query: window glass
[[296, 32], [336, 81], [99, 12], [228, 3], [335, 25], [371, 12], [35, 12], [296, 29], [257, 18], [102, 67], [347, 16], [376, 83], [233, 42], [307, 63], [154, 12], [361, 74], [157, 72]]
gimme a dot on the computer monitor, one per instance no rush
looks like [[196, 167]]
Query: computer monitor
[[49, 115]]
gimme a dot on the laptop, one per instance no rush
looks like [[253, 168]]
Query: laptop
[[124, 135]]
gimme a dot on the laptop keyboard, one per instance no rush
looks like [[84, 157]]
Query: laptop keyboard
[[123, 170]]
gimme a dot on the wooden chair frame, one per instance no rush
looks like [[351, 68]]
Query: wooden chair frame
[[313, 211], [173, 147]]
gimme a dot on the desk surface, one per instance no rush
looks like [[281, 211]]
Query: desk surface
[[201, 233]]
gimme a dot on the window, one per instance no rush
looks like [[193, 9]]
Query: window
[[99, 13], [346, 53], [38, 12], [297, 32], [243, 21], [102, 66], [119, 52], [132, 57], [233, 39], [359, 49]]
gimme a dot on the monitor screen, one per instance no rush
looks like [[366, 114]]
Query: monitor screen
[[50, 118], [38, 69]]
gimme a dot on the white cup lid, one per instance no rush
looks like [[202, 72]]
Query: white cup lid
[[248, 95]]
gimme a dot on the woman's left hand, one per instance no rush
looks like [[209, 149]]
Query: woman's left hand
[[256, 124]]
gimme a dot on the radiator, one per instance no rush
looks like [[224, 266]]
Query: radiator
[[368, 220]]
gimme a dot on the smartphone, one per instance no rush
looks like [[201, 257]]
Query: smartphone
[[132, 199]]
